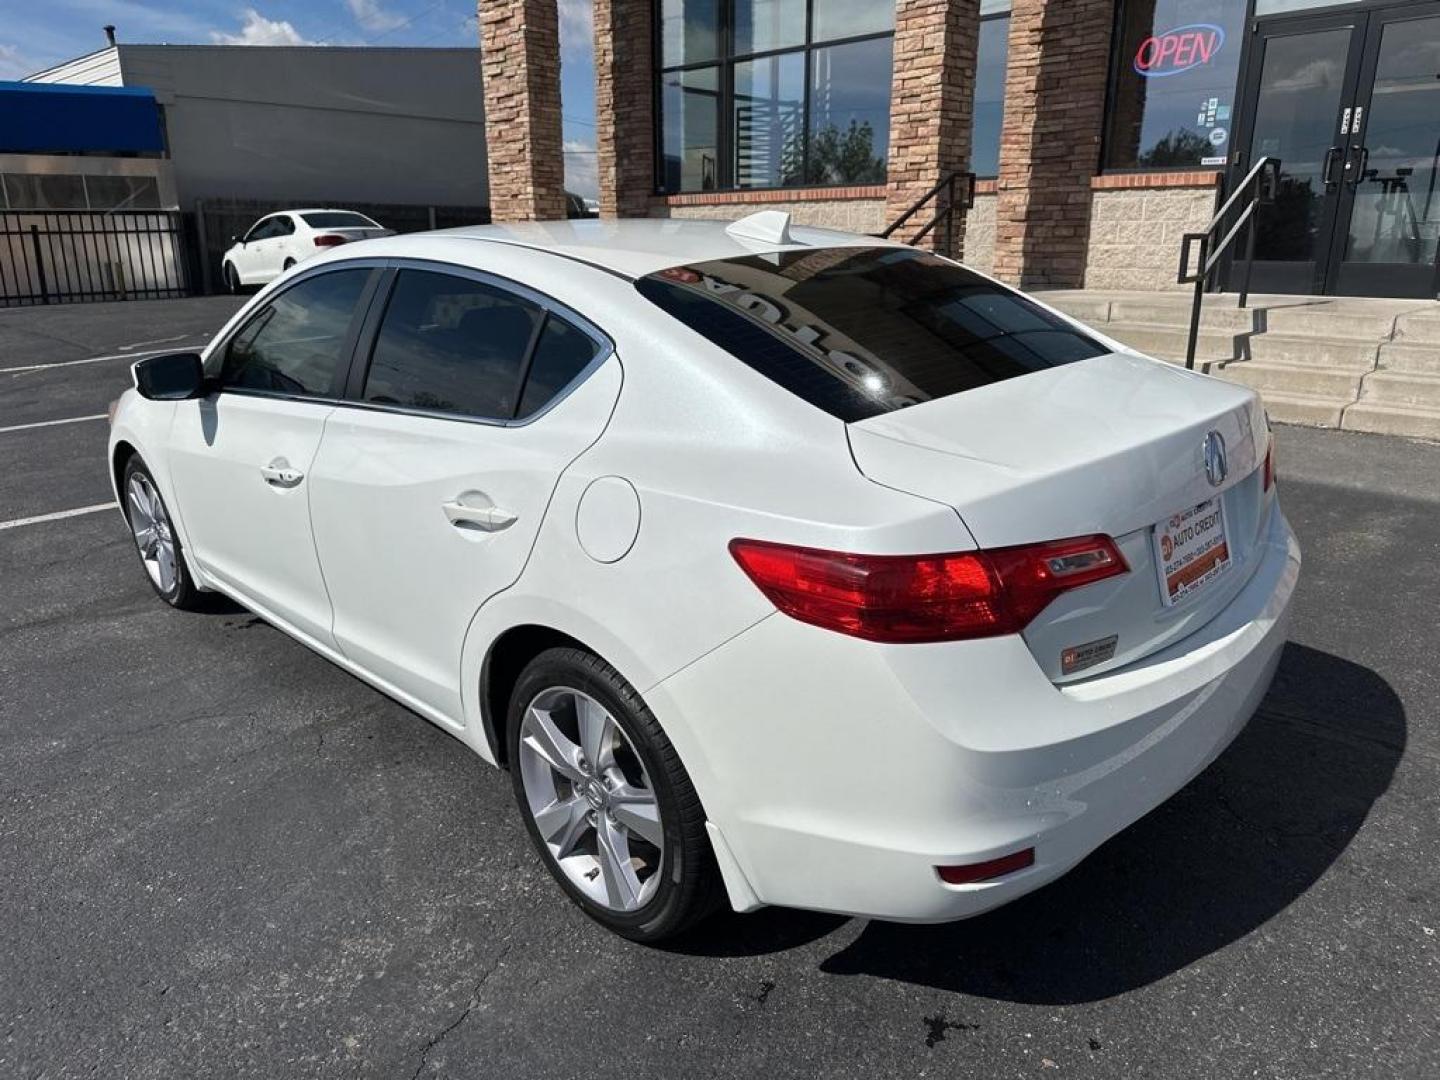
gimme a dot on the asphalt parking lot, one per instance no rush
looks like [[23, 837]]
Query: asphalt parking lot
[[222, 856]]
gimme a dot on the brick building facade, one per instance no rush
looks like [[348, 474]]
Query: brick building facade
[[1102, 130]]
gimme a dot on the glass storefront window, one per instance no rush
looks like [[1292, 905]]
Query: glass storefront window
[[850, 113], [690, 149], [850, 18], [762, 25], [1174, 83], [689, 31], [800, 93], [992, 51], [768, 119]]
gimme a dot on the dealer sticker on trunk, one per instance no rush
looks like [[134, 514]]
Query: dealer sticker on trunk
[[1191, 550]]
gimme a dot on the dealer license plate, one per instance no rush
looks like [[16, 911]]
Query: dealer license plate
[[1191, 550]]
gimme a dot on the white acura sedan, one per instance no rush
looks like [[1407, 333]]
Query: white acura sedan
[[777, 565], [277, 242]]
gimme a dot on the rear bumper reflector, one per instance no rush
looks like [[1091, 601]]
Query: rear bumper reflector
[[988, 870]]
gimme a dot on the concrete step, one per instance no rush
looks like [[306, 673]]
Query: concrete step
[[1331, 318], [1166, 343], [1170, 312], [1340, 385], [1317, 321], [1402, 388], [1303, 409], [1381, 419], [1419, 359], [1418, 329]]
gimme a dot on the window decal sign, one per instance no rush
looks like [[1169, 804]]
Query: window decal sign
[[1177, 51]]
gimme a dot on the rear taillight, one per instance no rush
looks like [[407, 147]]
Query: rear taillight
[[1268, 477], [917, 598], [329, 240]]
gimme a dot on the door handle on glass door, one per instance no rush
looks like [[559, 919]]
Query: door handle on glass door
[[279, 474], [484, 518], [1331, 157]]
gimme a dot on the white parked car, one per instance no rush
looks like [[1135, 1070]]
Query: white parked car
[[277, 242], [779, 566]]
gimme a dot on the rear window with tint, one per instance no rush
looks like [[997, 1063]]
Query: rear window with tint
[[338, 219], [863, 331]]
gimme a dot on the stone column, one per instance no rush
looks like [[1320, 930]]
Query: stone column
[[520, 63], [624, 106], [1050, 140], [932, 97]]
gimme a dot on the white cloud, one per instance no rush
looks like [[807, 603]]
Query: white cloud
[[371, 15], [581, 170], [258, 30], [577, 27], [13, 64]]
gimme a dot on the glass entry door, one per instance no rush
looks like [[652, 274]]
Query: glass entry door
[[1350, 104], [1389, 202]]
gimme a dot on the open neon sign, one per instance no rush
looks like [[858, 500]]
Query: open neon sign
[[1179, 50]]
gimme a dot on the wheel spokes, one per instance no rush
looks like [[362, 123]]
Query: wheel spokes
[[637, 810], [597, 732], [563, 823], [622, 887], [165, 560], [553, 745]]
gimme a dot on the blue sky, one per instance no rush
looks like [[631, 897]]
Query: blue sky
[[36, 35]]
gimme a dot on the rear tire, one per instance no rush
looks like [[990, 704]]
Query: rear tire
[[288, 264], [156, 540], [618, 823]]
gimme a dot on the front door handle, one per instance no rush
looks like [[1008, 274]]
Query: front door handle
[[484, 518], [280, 474]]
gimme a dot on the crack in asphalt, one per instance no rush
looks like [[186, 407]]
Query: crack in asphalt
[[470, 1007]]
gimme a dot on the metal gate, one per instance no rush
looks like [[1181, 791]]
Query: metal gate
[[70, 256]]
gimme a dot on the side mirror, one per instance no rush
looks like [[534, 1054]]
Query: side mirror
[[173, 377], [235, 239]]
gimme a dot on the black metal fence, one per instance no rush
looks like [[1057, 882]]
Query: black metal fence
[[59, 257]]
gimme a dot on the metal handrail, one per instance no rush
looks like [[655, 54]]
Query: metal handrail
[[946, 213], [1262, 183]]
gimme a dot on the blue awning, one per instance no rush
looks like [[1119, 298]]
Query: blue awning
[[49, 118]]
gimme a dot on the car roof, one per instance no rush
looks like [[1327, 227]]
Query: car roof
[[316, 210], [640, 246]]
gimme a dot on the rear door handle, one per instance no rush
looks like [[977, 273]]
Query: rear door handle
[[484, 518], [280, 474]]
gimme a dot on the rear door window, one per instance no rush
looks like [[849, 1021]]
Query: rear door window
[[866, 330], [297, 343], [451, 344]]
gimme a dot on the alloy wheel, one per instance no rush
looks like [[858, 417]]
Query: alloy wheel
[[591, 799], [153, 535]]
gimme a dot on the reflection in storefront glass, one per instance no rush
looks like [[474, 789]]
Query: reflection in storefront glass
[[1396, 218], [1175, 83]]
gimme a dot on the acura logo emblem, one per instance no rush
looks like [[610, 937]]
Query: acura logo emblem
[[1216, 467]]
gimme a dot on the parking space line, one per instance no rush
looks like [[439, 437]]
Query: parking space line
[[58, 515], [88, 360], [51, 423]]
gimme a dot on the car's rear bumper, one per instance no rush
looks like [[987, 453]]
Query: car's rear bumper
[[839, 774]]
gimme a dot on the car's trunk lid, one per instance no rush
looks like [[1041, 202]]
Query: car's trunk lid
[[1114, 445]]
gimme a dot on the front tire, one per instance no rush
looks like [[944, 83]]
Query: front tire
[[232, 280], [605, 799], [156, 540]]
